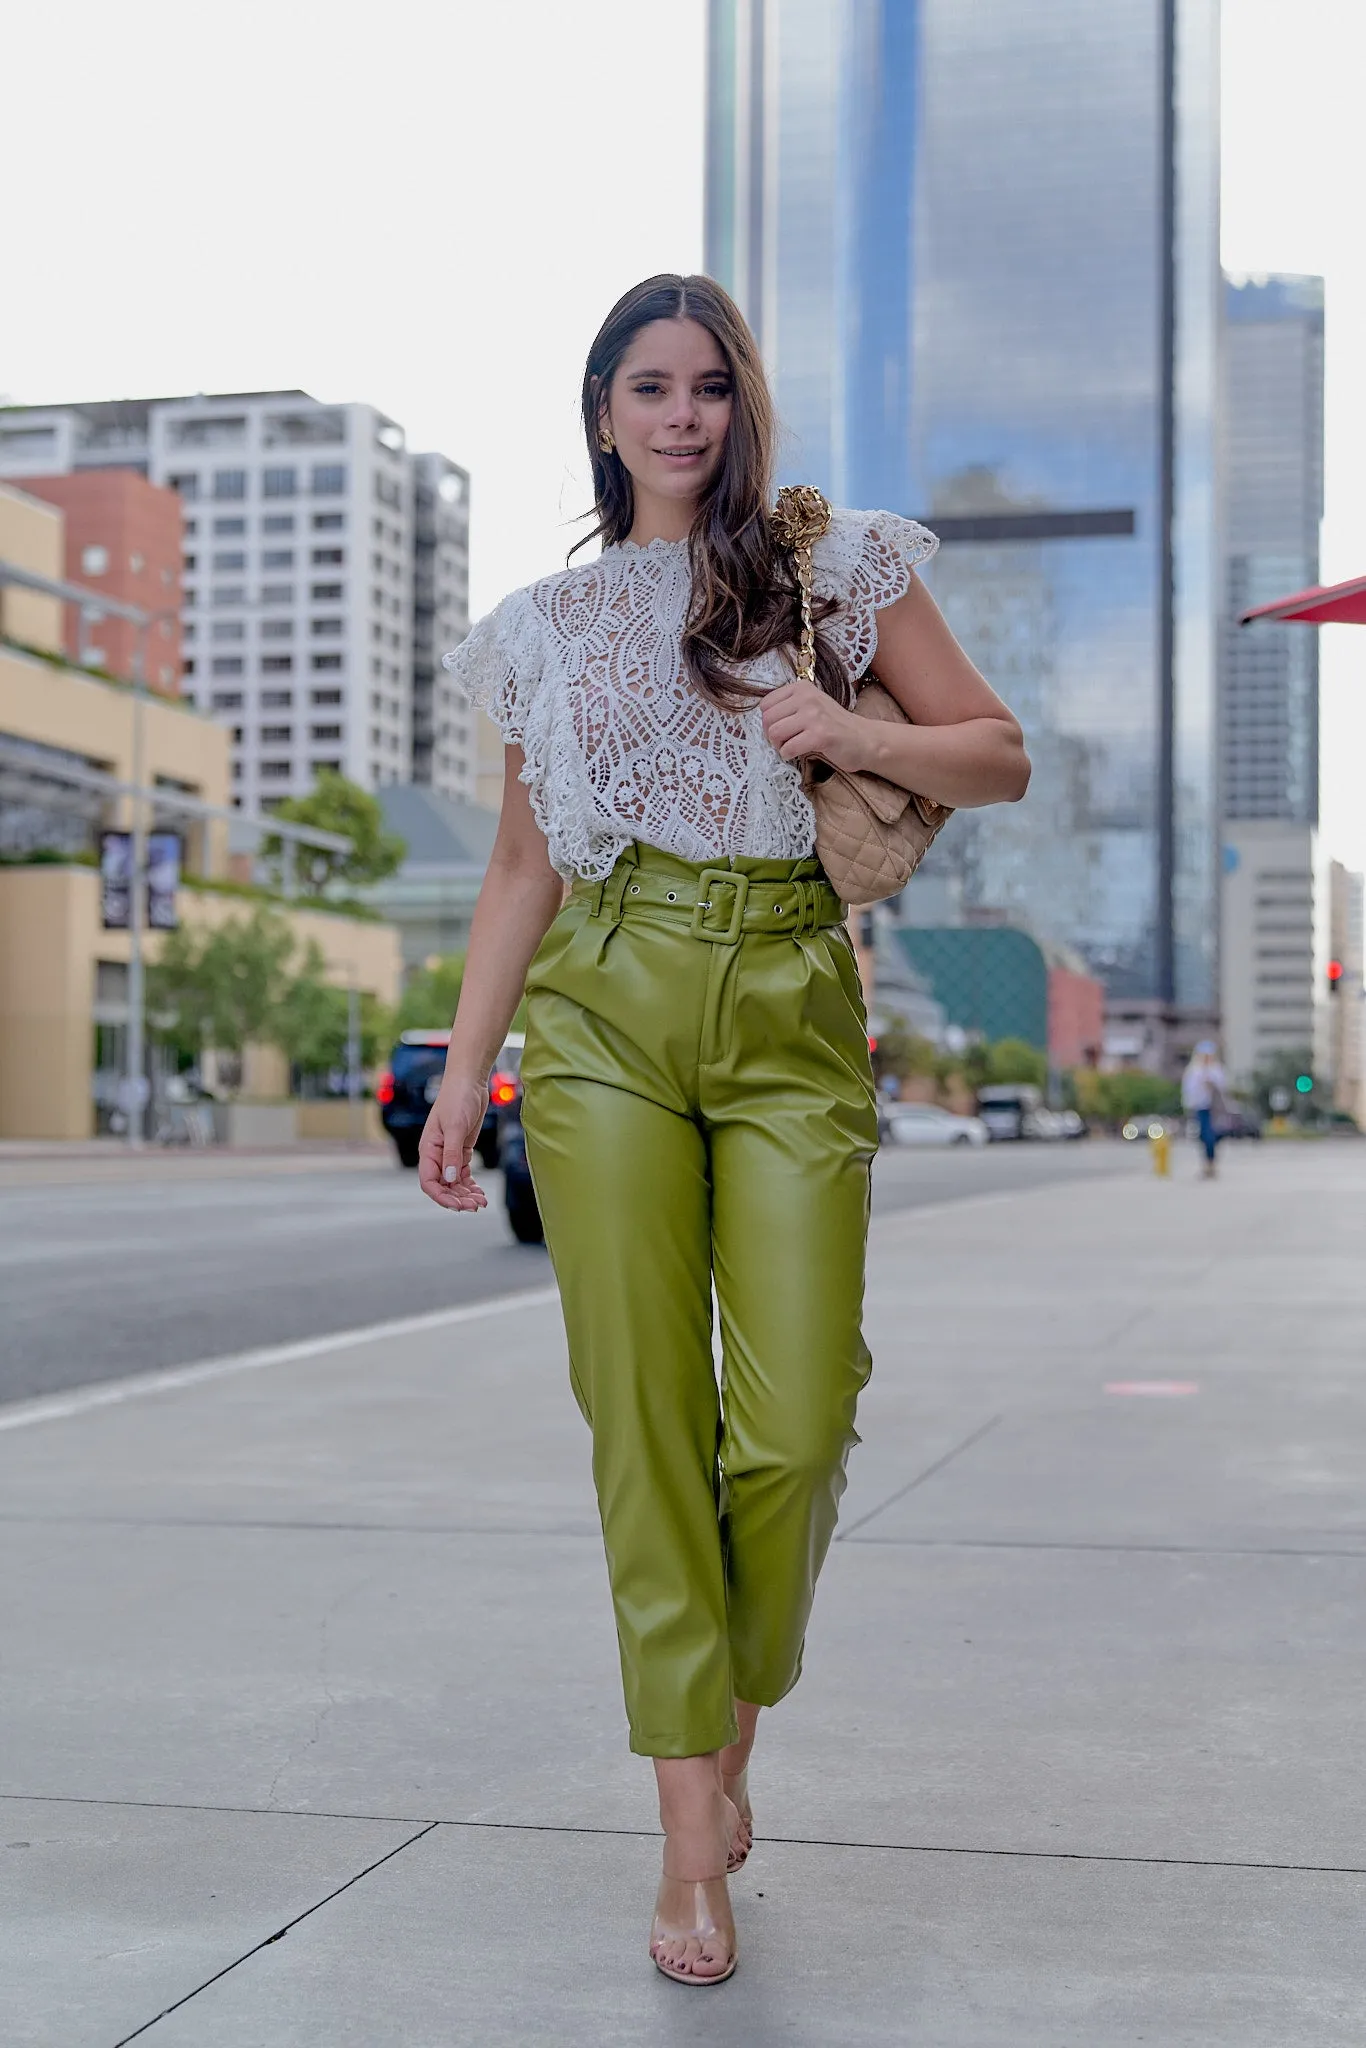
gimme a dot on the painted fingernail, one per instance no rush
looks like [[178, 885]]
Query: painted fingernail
[[451, 1173]]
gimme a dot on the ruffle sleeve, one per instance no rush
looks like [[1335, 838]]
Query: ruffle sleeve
[[498, 665], [865, 561]]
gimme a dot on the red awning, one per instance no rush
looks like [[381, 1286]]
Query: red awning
[[1333, 604]]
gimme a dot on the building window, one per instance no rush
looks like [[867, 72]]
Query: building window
[[324, 697], [277, 629], [325, 628], [273, 771], [227, 629], [227, 700], [191, 528], [226, 665], [325, 732], [279, 483], [277, 700], [230, 561], [94, 561], [326, 767], [237, 777], [276, 664], [229, 529], [276, 735], [239, 733], [326, 593], [188, 564], [230, 483], [278, 558], [231, 593], [186, 486], [329, 522], [278, 522], [326, 661], [329, 479], [277, 593], [324, 558]]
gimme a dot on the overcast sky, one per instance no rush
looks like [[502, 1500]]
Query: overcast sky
[[430, 207]]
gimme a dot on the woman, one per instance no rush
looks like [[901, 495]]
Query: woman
[[1203, 1096], [698, 1103]]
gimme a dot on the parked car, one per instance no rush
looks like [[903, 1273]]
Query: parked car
[[1013, 1110], [923, 1123], [408, 1086], [1152, 1127], [519, 1196]]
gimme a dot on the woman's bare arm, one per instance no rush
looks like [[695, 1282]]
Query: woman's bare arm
[[520, 896], [963, 746]]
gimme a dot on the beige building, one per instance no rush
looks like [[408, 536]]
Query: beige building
[[64, 736], [1273, 944], [1346, 1004]]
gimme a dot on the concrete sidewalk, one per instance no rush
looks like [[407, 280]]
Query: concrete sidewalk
[[322, 1651]]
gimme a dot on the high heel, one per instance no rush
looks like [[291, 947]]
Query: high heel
[[706, 1918], [736, 1790]]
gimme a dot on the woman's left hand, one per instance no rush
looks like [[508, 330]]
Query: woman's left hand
[[800, 719]]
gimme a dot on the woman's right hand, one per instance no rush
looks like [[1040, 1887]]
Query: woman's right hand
[[447, 1145]]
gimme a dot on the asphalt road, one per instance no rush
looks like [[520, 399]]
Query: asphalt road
[[105, 1272]]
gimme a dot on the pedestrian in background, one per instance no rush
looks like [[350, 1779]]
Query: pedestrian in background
[[699, 1105], [1203, 1096]]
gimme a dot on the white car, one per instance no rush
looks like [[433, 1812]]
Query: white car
[[924, 1123]]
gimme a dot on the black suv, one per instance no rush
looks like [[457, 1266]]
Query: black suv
[[407, 1088]]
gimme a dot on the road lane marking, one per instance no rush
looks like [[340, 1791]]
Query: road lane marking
[[109, 1393]]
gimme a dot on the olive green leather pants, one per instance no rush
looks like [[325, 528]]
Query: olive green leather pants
[[699, 1109]]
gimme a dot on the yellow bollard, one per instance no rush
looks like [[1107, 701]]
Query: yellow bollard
[[1161, 1146]]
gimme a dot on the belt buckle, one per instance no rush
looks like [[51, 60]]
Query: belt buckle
[[714, 878]]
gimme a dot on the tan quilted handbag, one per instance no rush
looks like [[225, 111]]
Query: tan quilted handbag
[[871, 835]]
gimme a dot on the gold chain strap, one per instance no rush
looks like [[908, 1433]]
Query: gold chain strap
[[800, 517]]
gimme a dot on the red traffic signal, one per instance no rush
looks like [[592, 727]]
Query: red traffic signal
[[1334, 976]]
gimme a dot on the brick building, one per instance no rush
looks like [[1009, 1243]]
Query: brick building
[[124, 537]]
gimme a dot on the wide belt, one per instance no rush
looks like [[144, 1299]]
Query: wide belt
[[719, 904]]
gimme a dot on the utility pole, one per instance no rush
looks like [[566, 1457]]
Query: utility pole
[[353, 1056], [136, 1077]]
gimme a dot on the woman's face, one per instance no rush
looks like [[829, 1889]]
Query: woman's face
[[669, 408]]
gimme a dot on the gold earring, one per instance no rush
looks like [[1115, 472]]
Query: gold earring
[[605, 441]]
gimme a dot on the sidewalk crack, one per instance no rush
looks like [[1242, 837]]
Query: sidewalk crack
[[278, 1935], [920, 1478]]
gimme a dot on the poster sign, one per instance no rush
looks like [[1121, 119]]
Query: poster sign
[[163, 879], [116, 879]]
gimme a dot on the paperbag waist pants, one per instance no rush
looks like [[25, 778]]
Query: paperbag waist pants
[[699, 1109]]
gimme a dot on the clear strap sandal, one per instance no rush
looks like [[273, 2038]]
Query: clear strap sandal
[[705, 1918]]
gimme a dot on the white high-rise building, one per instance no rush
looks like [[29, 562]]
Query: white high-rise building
[[1273, 942], [323, 563]]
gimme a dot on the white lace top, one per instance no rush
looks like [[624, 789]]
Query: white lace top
[[584, 672]]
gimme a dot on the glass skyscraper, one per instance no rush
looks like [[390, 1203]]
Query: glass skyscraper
[[979, 245]]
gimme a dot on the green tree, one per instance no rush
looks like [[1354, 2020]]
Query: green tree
[[337, 805], [903, 1052], [1014, 1059], [313, 1022], [428, 1002], [221, 987]]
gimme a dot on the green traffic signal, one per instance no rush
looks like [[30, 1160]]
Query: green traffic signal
[[1304, 1083]]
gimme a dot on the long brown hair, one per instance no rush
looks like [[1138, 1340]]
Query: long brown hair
[[744, 590]]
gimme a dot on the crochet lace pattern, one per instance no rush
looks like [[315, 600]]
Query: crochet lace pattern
[[584, 671]]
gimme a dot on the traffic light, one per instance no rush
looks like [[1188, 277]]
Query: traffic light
[[1304, 1084], [1334, 976]]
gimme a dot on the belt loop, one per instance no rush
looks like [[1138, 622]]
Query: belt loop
[[610, 892], [806, 914]]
